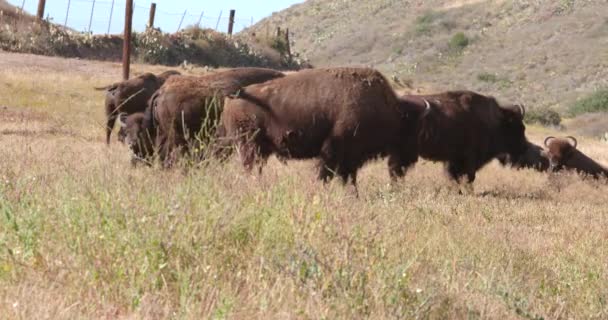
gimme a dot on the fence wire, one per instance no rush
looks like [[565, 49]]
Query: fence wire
[[108, 17]]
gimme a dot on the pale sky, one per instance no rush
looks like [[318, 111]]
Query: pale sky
[[168, 13]]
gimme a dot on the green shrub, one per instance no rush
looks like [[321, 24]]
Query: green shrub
[[280, 45], [459, 41], [487, 77], [500, 81], [596, 102], [543, 116], [424, 23]]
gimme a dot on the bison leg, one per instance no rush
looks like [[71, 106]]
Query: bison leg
[[328, 166], [395, 169], [456, 170], [400, 160], [255, 149]]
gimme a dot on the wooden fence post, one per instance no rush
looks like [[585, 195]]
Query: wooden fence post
[[91, 19], [40, 12], [200, 19], [182, 20], [231, 22], [152, 14], [126, 44], [287, 43], [110, 20], [67, 13], [218, 21]]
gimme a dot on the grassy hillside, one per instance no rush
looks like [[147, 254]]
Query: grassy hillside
[[545, 53], [20, 32], [83, 235]]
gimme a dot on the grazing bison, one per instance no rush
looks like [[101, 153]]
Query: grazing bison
[[467, 130], [533, 158], [138, 139], [343, 116], [186, 110], [563, 155], [131, 96]]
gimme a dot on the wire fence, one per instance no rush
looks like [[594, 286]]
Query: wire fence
[[108, 16]]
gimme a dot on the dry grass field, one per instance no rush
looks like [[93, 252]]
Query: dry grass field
[[83, 235]]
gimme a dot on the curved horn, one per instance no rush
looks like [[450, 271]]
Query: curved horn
[[427, 104], [573, 140], [522, 110], [547, 140]]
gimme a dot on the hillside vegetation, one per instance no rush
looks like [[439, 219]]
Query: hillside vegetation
[[20, 32], [544, 53]]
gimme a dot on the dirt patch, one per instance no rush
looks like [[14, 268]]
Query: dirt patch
[[590, 124], [31, 62]]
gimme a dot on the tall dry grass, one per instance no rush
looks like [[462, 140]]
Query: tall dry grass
[[84, 235]]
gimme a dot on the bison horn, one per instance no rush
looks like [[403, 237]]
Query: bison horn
[[573, 140], [522, 110], [427, 104], [547, 140]]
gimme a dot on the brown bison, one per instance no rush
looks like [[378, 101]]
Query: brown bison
[[467, 130], [562, 154], [185, 111], [343, 116], [131, 96], [139, 140], [533, 158]]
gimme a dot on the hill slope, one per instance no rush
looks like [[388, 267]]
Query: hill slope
[[544, 52], [20, 32]]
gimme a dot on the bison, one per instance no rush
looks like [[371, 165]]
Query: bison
[[563, 154], [467, 130], [342, 116], [139, 140], [533, 158], [185, 111], [131, 96]]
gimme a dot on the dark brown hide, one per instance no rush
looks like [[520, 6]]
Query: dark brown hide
[[467, 130], [139, 140], [185, 111], [344, 116], [131, 96], [533, 158], [565, 156]]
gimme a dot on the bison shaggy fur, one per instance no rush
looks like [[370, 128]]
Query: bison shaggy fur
[[533, 158], [342, 116], [184, 112], [564, 155], [131, 96], [466, 130]]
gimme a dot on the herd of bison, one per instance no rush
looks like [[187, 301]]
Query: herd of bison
[[341, 116]]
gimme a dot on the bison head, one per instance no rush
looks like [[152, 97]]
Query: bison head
[[138, 138], [513, 130], [559, 150], [533, 158]]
